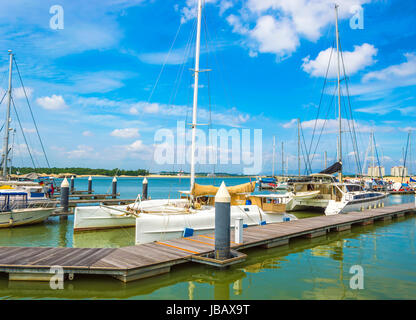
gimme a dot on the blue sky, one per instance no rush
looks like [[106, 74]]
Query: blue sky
[[92, 84]]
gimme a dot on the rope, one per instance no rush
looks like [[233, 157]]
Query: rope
[[31, 113], [321, 98], [164, 64], [23, 133]]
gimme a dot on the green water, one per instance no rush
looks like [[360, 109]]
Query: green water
[[305, 269]]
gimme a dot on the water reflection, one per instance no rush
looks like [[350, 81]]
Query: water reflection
[[304, 269]]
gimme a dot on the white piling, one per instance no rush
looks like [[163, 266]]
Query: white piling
[[114, 188], [238, 231], [144, 189], [64, 195], [222, 223], [89, 184]]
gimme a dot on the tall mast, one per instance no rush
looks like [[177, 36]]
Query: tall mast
[[372, 155], [195, 104], [299, 146], [274, 154], [339, 94], [283, 162], [7, 123]]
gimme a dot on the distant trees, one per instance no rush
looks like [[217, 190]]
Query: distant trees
[[82, 171]]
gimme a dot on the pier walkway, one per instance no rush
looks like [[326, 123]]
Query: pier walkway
[[150, 259]]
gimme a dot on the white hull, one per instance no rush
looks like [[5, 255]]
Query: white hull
[[150, 227], [354, 205], [20, 217], [98, 217]]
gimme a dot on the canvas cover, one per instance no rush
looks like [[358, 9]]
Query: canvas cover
[[209, 190]]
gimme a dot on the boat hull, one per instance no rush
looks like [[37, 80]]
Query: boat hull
[[151, 227], [21, 217], [98, 217], [355, 205]]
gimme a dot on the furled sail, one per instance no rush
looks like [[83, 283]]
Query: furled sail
[[336, 167], [206, 190]]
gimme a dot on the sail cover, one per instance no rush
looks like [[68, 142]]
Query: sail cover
[[204, 190], [336, 167]]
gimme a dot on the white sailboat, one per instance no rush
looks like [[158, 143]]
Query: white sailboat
[[18, 203], [323, 192], [195, 211]]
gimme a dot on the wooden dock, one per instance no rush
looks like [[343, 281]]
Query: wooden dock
[[147, 260]]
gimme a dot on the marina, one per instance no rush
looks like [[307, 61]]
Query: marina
[[216, 150], [146, 260]]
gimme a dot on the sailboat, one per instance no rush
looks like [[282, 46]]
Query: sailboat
[[193, 212], [17, 204], [323, 191]]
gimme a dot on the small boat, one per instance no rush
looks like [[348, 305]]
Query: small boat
[[267, 183], [15, 210]]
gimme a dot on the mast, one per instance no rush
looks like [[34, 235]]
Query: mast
[[299, 145], [7, 123], [195, 103], [283, 162], [274, 154], [372, 155], [339, 95]]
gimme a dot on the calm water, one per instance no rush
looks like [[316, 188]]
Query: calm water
[[305, 269]]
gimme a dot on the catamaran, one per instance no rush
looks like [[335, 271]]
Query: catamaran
[[322, 191], [194, 210]]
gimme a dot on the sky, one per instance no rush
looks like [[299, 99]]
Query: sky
[[105, 76]]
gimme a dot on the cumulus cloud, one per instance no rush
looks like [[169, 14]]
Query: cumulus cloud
[[54, 102], [402, 70], [356, 60], [275, 36], [285, 22], [125, 133]]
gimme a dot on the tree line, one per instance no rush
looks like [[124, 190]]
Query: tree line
[[81, 171]]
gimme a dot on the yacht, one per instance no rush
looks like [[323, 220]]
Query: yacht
[[193, 212], [324, 193]]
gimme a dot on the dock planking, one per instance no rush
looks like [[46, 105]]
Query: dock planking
[[150, 259]]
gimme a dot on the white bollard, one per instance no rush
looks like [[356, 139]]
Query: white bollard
[[238, 231]]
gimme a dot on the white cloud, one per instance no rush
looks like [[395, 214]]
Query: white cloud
[[360, 58], [19, 93], [133, 110], [274, 36], [87, 133], [81, 152], [332, 125], [52, 103], [399, 71], [125, 133], [292, 20]]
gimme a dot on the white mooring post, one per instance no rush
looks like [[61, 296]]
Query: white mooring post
[[238, 231], [72, 184], [64, 195], [89, 184], [114, 185], [144, 189], [222, 223]]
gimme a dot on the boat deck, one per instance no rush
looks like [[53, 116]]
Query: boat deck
[[146, 260]]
